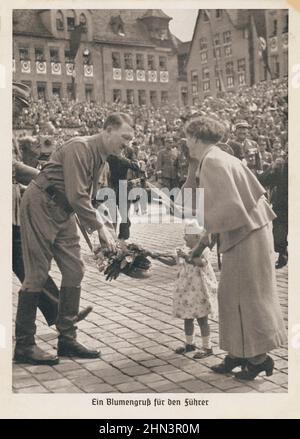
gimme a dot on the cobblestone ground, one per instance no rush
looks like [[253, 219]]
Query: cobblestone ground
[[133, 326]]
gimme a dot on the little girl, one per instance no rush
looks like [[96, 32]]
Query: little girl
[[195, 293]]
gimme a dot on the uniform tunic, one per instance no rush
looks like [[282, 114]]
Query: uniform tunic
[[48, 231], [234, 205]]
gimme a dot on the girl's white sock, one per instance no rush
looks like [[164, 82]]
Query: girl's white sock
[[206, 342], [189, 339]]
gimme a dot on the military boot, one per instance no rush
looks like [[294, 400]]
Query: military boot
[[26, 351], [68, 310]]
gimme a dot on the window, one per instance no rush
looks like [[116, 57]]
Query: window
[[205, 16], [130, 96], [241, 65], [286, 24], [56, 90], [228, 50], [164, 97], [70, 92], [275, 25], [194, 75], [153, 98], [163, 63], [71, 23], [218, 71], [242, 78], [89, 93], [140, 61], [151, 62], [217, 40], [229, 68], [217, 52], [116, 60], [275, 65], [142, 97], [206, 85], [41, 90], [219, 13], [230, 81], [203, 43], [227, 37], [203, 56], [59, 21], [54, 55], [117, 95], [205, 73], [24, 53], [39, 54], [68, 58], [128, 61], [194, 88]]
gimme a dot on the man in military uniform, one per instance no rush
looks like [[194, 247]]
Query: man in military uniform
[[240, 144], [48, 228], [22, 174], [167, 165]]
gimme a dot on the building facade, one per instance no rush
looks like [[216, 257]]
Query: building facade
[[227, 53], [127, 56]]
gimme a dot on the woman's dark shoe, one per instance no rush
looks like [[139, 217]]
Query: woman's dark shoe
[[281, 261], [185, 349], [252, 370], [228, 364]]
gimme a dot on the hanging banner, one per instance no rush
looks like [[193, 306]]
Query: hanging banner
[[56, 68], [273, 44], [164, 76], [152, 76], [69, 69], [25, 67], [140, 75], [129, 75], [285, 40], [117, 74], [41, 67], [88, 71], [13, 65]]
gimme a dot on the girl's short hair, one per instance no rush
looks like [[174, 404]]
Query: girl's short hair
[[206, 129]]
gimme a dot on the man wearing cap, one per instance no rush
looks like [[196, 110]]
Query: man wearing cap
[[48, 228], [239, 142]]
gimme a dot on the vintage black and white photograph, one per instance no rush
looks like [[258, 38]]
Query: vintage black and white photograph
[[150, 201]]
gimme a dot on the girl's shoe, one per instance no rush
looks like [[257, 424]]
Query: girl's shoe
[[228, 364], [252, 370], [205, 352], [185, 349]]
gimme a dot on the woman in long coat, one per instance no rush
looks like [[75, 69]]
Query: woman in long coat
[[235, 207]]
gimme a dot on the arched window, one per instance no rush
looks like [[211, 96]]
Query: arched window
[[71, 20], [59, 21]]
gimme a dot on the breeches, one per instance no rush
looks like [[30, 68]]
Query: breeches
[[48, 233]]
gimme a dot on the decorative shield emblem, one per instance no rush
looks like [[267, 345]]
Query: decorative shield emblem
[[41, 67], [88, 70], [117, 74], [56, 68], [129, 75], [25, 67], [152, 76], [285, 40], [140, 75], [164, 76], [69, 69], [13, 65], [273, 44]]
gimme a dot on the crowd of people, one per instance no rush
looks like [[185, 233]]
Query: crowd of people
[[262, 108]]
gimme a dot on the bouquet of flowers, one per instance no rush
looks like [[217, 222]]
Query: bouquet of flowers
[[129, 259]]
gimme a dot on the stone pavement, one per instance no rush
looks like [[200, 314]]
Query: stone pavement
[[133, 326]]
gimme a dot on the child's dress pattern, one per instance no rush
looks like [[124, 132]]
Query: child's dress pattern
[[195, 292]]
